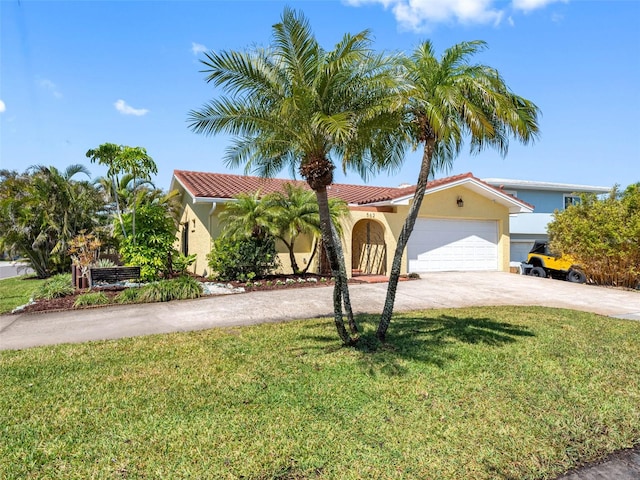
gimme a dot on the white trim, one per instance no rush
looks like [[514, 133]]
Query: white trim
[[533, 185], [514, 205]]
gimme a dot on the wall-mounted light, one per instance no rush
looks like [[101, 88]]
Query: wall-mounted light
[[460, 202]]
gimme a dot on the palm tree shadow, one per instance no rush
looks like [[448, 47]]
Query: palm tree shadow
[[428, 340]]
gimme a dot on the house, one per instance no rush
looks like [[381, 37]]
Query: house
[[463, 223], [527, 227]]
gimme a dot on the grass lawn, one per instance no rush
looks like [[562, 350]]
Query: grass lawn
[[16, 291], [477, 393]]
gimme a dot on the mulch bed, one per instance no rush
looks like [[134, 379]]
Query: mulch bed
[[268, 283]]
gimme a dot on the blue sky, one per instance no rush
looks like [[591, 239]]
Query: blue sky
[[74, 75]]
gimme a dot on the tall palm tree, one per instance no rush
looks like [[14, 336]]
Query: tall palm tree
[[296, 105], [446, 100]]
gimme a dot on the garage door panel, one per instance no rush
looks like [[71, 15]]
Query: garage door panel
[[449, 245]]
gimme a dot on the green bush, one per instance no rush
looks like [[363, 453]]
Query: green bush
[[242, 258], [602, 236], [55, 287], [91, 298], [152, 245], [181, 288]]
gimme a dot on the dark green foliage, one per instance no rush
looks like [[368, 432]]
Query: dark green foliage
[[55, 287], [243, 258], [603, 236], [180, 288]]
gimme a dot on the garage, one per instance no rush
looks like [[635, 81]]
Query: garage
[[438, 245]]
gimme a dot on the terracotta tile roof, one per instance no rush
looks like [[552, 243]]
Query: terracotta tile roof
[[222, 185]]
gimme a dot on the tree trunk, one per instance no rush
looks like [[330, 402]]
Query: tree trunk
[[346, 298], [313, 254], [292, 256], [423, 177], [330, 246], [118, 211]]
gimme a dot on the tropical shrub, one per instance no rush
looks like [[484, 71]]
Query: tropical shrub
[[181, 288], [150, 248], [104, 263], [55, 287], [242, 258], [42, 209], [91, 298], [603, 236], [181, 262]]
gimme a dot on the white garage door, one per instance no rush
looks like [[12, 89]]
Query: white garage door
[[450, 245]]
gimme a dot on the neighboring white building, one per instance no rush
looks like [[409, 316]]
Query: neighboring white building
[[546, 197]]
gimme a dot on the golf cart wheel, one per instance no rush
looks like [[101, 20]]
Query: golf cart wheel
[[538, 272], [576, 276]]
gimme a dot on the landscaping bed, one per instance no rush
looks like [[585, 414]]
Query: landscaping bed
[[272, 282]]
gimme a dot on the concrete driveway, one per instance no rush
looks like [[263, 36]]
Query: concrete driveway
[[436, 290]]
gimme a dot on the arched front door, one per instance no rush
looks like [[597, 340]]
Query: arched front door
[[369, 255]]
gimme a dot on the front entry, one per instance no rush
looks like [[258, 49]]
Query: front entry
[[369, 251]]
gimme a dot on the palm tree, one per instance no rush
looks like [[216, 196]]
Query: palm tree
[[296, 105], [294, 212], [42, 210], [447, 100], [247, 216]]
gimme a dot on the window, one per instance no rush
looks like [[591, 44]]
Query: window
[[185, 238], [571, 200]]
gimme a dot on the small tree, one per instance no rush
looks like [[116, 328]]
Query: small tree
[[152, 245], [83, 249], [126, 160], [603, 236]]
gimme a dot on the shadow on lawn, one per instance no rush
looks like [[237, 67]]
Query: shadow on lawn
[[425, 339]]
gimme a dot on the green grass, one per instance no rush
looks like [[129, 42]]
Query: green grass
[[478, 393], [17, 291]]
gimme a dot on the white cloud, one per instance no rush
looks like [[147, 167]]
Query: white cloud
[[420, 15], [49, 86], [529, 5], [125, 109], [197, 48], [3, 107]]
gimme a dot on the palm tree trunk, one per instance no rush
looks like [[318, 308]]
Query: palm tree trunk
[[423, 177], [292, 257], [330, 246], [313, 254], [346, 298]]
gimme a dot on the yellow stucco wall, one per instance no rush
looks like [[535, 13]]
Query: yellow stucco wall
[[204, 226]]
